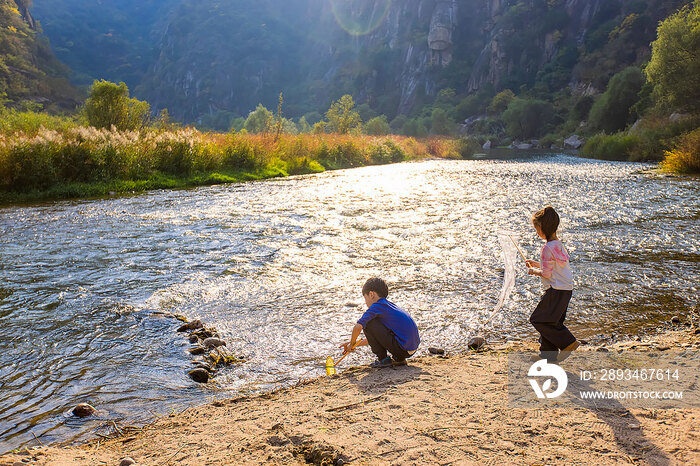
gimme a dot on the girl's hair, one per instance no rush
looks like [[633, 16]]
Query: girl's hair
[[548, 220]]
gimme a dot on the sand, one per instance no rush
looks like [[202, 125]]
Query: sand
[[441, 411]]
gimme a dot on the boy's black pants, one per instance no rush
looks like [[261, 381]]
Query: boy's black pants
[[381, 340], [548, 319]]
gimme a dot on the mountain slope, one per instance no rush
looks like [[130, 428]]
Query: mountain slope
[[202, 57], [28, 70]]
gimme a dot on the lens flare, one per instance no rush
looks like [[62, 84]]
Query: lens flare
[[360, 17]]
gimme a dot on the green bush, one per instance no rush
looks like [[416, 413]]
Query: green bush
[[386, 152], [527, 118], [617, 146], [611, 112], [467, 147]]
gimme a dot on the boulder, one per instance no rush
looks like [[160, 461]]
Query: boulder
[[213, 342], [572, 142], [199, 375], [476, 343], [487, 145], [83, 410], [190, 326]]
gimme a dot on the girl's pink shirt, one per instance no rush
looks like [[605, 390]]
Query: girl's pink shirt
[[554, 262]]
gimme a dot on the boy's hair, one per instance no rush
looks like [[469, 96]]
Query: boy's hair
[[377, 285], [548, 220]]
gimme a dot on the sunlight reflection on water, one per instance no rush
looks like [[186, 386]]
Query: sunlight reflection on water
[[277, 267]]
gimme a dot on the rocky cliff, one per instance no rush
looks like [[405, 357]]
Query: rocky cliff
[[210, 56]]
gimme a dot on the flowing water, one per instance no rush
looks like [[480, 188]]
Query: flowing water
[[277, 267]]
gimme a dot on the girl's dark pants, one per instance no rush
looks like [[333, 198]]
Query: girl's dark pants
[[548, 318], [381, 340]]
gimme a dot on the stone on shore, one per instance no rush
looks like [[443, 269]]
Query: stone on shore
[[197, 350], [83, 410], [476, 343], [676, 320], [572, 142], [213, 342], [190, 326], [434, 350], [127, 462], [199, 375]]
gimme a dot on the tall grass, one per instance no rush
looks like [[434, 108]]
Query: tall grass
[[67, 159]]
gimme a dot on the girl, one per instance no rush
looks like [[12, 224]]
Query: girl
[[548, 317]]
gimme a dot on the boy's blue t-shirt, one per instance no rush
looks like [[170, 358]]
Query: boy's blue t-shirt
[[395, 319]]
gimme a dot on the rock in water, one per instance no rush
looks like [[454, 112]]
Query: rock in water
[[199, 375], [476, 343], [190, 326], [212, 342], [434, 350], [127, 462], [197, 350], [83, 410]]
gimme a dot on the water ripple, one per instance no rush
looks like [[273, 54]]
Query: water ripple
[[277, 267]]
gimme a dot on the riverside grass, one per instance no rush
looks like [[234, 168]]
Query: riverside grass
[[81, 161]]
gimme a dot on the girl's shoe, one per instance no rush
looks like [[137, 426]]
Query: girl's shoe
[[566, 352]]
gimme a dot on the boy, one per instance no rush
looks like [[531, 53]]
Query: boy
[[387, 327]]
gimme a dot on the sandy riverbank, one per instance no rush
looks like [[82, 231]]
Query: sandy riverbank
[[437, 410]]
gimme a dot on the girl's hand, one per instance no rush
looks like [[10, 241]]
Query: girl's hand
[[529, 263], [533, 271]]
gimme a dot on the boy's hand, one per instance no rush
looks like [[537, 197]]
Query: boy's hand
[[346, 347]]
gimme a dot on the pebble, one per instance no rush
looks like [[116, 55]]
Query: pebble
[[676, 320], [434, 350], [83, 410], [194, 339], [603, 349], [199, 375], [634, 426], [190, 326], [476, 343], [212, 342], [127, 462], [197, 350], [663, 347]]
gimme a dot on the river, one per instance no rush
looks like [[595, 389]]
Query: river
[[277, 267]]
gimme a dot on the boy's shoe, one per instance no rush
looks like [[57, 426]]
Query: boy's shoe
[[399, 362], [378, 364], [566, 352]]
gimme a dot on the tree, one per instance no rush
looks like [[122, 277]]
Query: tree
[[526, 118], [341, 116], [377, 126], [108, 104], [441, 122], [259, 120], [675, 60], [612, 111], [500, 102]]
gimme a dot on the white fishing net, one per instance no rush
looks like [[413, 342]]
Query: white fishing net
[[509, 252]]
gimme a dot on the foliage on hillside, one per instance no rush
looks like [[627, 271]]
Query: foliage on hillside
[[29, 74]]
